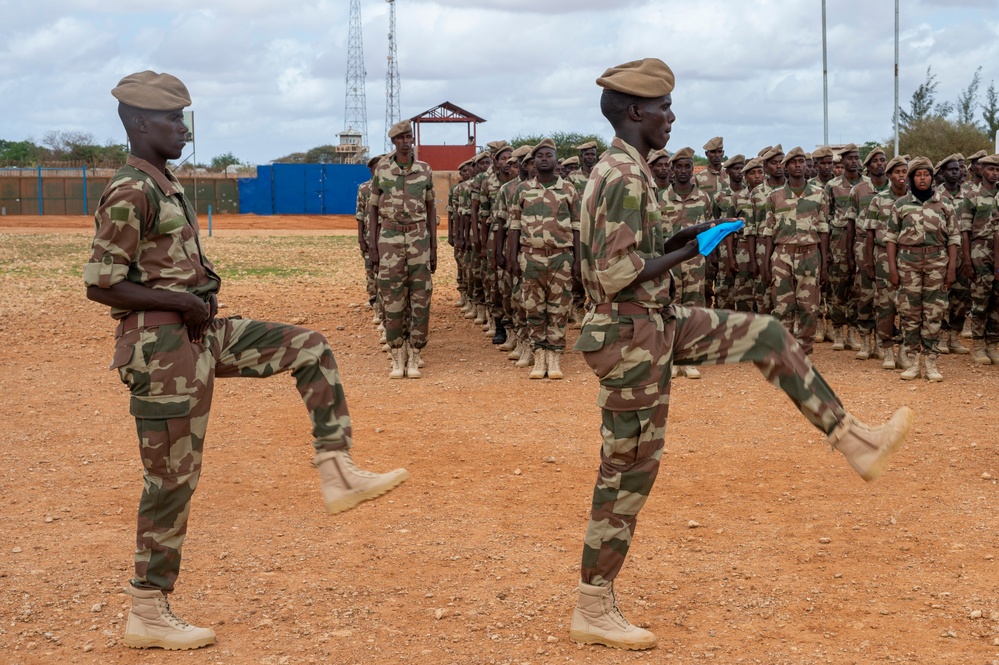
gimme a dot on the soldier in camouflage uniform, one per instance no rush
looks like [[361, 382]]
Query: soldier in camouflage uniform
[[683, 205], [876, 254], [959, 297], [796, 234], [403, 224], [480, 215], [633, 334], [361, 216], [488, 189], [841, 264], [516, 342], [473, 283], [587, 159], [773, 173], [979, 222], [147, 265], [454, 232], [738, 262], [823, 159], [863, 282], [974, 174], [923, 240], [544, 251]]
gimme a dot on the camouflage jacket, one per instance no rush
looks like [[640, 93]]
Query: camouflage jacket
[[795, 219], [681, 210], [731, 203], [546, 216], [913, 223], [621, 229], [487, 193], [463, 197], [877, 214], [860, 199], [711, 182], [504, 199], [956, 199], [758, 206], [978, 215], [363, 194], [475, 186], [146, 232], [838, 192], [402, 194], [578, 180]]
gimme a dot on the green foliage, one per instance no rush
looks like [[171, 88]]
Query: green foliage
[[967, 101], [19, 153], [223, 162], [77, 148], [990, 111], [869, 147], [566, 142], [936, 137]]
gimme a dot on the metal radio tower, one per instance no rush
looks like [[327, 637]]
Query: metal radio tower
[[355, 111], [391, 79]]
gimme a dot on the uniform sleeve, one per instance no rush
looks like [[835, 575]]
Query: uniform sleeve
[[430, 186], [966, 214], [769, 217], [376, 191], [824, 213], [617, 233], [953, 229], [573, 207], [514, 213], [362, 206], [894, 226], [851, 214], [119, 222]]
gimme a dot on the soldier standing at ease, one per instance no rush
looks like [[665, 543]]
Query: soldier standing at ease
[[974, 174], [147, 265], [488, 189], [823, 159], [923, 240], [796, 234], [634, 333], [684, 205], [513, 176], [454, 237], [713, 179], [979, 222], [361, 216], [587, 158], [544, 243], [959, 296], [773, 177], [840, 261], [738, 262], [403, 223]]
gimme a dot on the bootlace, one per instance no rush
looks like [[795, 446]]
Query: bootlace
[[354, 469], [167, 613]]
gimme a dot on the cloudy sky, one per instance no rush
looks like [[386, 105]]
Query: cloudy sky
[[268, 78]]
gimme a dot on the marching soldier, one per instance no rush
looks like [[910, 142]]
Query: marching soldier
[[840, 261]]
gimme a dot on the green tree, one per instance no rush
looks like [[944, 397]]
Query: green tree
[[967, 101], [223, 162], [937, 136], [990, 111], [565, 142], [324, 154], [19, 153], [923, 103]]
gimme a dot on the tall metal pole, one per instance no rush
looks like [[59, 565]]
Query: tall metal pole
[[355, 113], [896, 79], [391, 79], [825, 81]]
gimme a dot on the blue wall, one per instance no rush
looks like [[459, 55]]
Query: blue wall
[[302, 189]]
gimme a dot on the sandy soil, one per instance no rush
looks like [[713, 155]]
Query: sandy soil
[[758, 545]]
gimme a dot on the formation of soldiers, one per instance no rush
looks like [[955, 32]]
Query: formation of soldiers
[[839, 249]]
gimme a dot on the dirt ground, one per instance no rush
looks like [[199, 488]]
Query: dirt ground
[[758, 544]]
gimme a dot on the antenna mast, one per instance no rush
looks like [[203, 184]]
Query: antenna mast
[[355, 112], [391, 79]]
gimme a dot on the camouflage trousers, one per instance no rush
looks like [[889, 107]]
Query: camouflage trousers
[[632, 356], [689, 280], [405, 285], [762, 290], [491, 284], [546, 294], [922, 298], [743, 291], [884, 298], [794, 270], [459, 272], [862, 292], [473, 276], [984, 292], [724, 281], [958, 301], [519, 314], [171, 381], [840, 279]]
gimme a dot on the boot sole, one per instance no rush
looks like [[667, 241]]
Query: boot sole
[[580, 637], [879, 466], [348, 502], [137, 642]]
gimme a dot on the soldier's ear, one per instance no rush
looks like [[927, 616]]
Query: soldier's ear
[[634, 112]]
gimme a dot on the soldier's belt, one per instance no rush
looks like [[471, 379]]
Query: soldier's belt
[[397, 226], [797, 249], [921, 249], [625, 308], [547, 251], [146, 319]]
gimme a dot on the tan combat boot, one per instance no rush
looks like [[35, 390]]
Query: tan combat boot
[[889, 361], [471, 310], [978, 355], [912, 371], [868, 449], [932, 372], [992, 352], [480, 315], [903, 360], [876, 349], [540, 364], [944, 349], [344, 485], [376, 317], [675, 372], [597, 620], [955, 345], [852, 339], [820, 333], [518, 349], [691, 372], [398, 370], [527, 357], [489, 327], [865, 347], [152, 623], [381, 328], [553, 359], [510, 344], [412, 362], [460, 302], [837, 344]]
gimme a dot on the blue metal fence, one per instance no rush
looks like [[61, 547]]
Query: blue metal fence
[[302, 189]]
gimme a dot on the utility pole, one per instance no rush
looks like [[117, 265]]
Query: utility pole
[[355, 112], [896, 78], [825, 81], [391, 79]]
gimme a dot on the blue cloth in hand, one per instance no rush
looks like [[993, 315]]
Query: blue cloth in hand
[[708, 240]]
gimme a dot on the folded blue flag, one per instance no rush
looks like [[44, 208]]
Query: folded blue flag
[[708, 240]]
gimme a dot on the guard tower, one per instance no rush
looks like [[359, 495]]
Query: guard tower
[[446, 157], [351, 150]]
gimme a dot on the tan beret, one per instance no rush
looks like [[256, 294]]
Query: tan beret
[[764, 151], [775, 151], [465, 163], [754, 163], [545, 143], [734, 161], [895, 161], [808, 156], [978, 155], [822, 152], [714, 144], [682, 153], [849, 147], [400, 128], [656, 155], [496, 145], [837, 159], [791, 154], [947, 160], [586, 146], [153, 92], [571, 161], [479, 157], [648, 78], [521, 152], [961, 158], [374, 160], [920, 163], [874, 153], [499, 151], [989, 160]]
